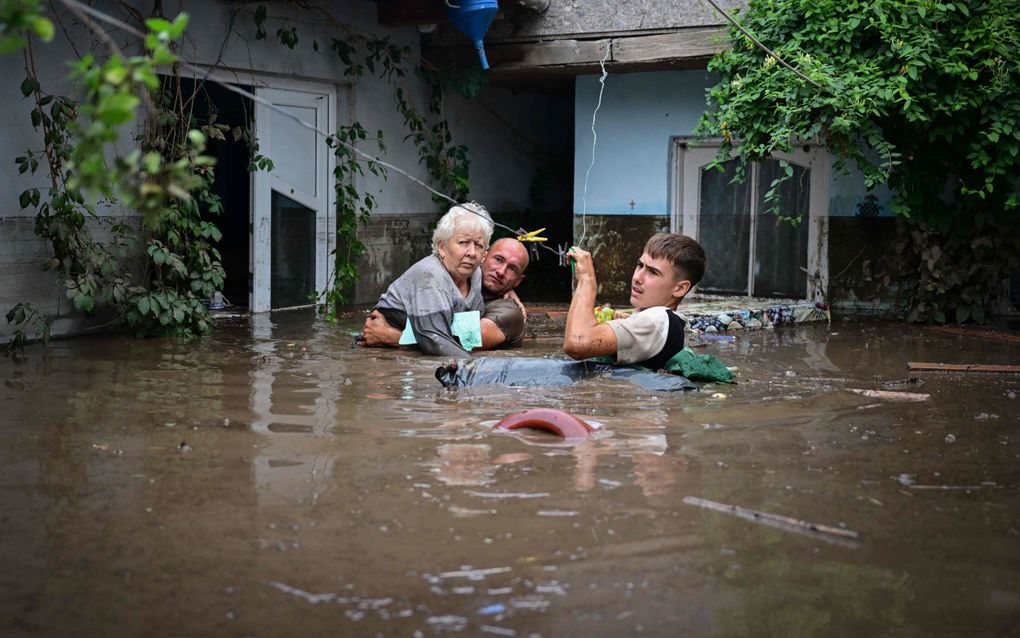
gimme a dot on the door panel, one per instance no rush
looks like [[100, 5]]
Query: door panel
[[291, 236], [781, 246], [750, 250], [725, 228]]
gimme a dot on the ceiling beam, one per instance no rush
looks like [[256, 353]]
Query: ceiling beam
[[683, 48]]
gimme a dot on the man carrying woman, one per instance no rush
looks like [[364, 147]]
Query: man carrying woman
[[447, 282]]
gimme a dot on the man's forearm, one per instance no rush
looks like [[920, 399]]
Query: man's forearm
[[581, 315]]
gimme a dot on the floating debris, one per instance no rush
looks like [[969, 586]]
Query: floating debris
[[507, 494], [891, 396], [475, 574], [314, 599], [841, 535], [447, 623], [492, 610]]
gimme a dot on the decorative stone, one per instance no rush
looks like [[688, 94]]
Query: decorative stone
[[724, 319], [752, 324], [735, 325], [711, 329]]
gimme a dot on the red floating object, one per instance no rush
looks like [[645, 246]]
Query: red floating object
[[550, 420]]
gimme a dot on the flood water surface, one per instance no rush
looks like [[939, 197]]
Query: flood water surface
[[272, 481]]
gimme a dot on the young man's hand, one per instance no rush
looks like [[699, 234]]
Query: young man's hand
[[584, 268]]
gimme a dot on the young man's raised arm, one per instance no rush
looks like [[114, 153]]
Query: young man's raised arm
[[584, 336]]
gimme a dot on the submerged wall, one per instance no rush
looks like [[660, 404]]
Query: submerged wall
[[630, 181]]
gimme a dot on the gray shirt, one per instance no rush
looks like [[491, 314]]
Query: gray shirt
[[428, 297]]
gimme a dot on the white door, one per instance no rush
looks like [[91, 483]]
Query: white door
[[751, 250], [291, 231]]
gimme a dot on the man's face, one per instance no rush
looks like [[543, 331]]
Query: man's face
[[503, 266], [656, 283]]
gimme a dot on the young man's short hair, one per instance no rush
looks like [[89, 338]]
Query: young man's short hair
[[686, 255]]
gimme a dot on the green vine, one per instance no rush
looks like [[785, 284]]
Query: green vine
[[923, 95], [446, 163], [153, 276]]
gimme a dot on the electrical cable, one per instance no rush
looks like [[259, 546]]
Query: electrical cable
[[594, 141], [255, 98]]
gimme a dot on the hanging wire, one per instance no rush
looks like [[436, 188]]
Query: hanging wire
[[761, 46], [76, 5], [594, 141]]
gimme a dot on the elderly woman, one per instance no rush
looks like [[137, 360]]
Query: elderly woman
[[448, 281]]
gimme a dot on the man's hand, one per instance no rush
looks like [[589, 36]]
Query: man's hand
[[584, 336], [584, 268], [512, 296], [378, 333]]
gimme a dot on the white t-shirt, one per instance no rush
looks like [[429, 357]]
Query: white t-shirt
[[642, 335]]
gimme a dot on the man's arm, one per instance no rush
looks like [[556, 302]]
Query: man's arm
[[378, 333], [584, 336], [492, 336]]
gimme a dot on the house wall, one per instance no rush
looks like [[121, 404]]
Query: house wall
[[511, 136], [638, 116]]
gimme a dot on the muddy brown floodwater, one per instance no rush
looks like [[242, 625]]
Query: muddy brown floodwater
[[272, 481]]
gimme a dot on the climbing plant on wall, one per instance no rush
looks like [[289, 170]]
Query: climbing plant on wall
[[446, 163], [921, 94], [154, 274]]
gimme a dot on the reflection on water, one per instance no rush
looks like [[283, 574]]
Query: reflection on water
[[272, 480]]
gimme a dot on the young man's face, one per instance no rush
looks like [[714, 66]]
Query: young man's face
[[656, 283]]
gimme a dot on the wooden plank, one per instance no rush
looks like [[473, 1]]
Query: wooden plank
[[892, 396], [919, 366], [687, 43], [684, 47]]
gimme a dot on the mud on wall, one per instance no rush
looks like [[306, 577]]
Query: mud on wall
[[616, 243], [859, 248]]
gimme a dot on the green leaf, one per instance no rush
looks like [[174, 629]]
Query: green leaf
[[143, 305], [42, 28], [178, 26], [158, 25], [29, 86], [117, 109]]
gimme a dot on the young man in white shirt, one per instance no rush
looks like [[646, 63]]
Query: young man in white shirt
[[669, 267]]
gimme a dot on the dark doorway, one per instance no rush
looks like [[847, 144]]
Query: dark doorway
[[217, 105]]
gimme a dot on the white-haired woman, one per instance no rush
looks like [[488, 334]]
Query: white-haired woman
[[448, 281]]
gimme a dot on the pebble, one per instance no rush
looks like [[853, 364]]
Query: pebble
[[752, 324], [950, 438], [711, 329], [735, 325], [724, 319]]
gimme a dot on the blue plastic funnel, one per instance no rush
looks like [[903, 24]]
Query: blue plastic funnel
[[473, 18]]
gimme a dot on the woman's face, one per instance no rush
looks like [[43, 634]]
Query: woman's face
[[462, 253]]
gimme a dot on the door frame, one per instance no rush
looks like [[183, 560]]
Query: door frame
[[688, 154], [263, 183]]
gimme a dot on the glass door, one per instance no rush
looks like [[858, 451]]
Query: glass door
[[753, 248]]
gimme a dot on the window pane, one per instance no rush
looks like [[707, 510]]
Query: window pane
[[293, 253], [780, 247], [725, 229], [294, 147]]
